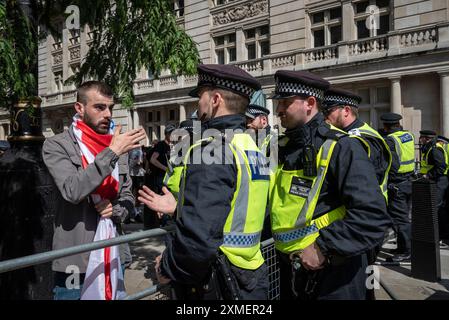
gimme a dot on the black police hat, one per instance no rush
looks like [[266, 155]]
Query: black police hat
[[227, 77], [339, 97], [257, 105], [427, 133], [299, 83], [390, 117], [169, 128], [187, 125]]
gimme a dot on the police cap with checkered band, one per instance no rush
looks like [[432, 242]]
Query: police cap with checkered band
[[227, 77], [299, 83], [339, 97]]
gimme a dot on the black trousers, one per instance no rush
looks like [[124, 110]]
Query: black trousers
[[346, 281], [442, 204], [252, 285], [150, 218], [399, 206]]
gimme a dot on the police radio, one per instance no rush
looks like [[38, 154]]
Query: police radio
[[309, 161]]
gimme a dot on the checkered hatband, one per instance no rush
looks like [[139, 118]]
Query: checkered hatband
[[298, 88], [225, 83], [347, 101]]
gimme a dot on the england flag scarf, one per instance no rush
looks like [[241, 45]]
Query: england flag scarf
[[104, 277]]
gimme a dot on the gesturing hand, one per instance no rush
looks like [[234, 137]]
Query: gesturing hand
[[165, 203], [123, 142]]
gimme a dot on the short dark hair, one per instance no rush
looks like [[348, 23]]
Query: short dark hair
[[101, 87], [235, 103]]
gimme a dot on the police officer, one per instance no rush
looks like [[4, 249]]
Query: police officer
[[222, 201], [341, 109], [402, 147], [435, 166], [327, 210], [257, 120]]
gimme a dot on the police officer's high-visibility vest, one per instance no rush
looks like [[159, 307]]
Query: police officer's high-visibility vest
[[366, 130], [243, 226], [266, 143], [172, 179], [293, 200], [404, 144], [426, 167]]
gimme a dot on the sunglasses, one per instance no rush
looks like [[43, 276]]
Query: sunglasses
[[328, 111]]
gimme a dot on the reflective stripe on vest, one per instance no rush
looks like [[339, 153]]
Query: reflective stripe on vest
[[367, 130], [404, 143]]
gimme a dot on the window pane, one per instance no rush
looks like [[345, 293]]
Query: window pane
[[384, 22], [264, 30], [361, 6], [232, 54], [362, 30], [150, 117], [364, 93], [219, 41], [231, 38], [220, 2], [251, 33], [335, 13], [383, 94], [265, 48], [220, 56], [171, 115], [318, 36], [251, 51], [382, 3], [318, 17], [335, 34], [158, 116]]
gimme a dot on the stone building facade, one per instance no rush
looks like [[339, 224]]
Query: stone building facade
[[395, 54]]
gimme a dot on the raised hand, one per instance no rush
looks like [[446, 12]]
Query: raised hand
[[123, 142], [165, 203]]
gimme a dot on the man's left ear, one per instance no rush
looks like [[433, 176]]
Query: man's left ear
[[311, 102]]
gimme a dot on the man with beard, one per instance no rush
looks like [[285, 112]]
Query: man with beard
[[90, 169]]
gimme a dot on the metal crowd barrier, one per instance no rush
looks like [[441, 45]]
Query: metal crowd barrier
[[162, 291]]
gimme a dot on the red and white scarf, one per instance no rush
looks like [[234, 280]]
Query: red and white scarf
[[91, 144], [108, 284]]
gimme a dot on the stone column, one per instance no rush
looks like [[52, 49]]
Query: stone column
[[271, 115], [240, 45], [395, 95], [349, 30], [444, 94], [182, 112], [163, 122]]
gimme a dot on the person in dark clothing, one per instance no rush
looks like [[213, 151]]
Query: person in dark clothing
[[158, 165], [402, 147], [222, 199], [326, 207], [340, 107], [434, 166]]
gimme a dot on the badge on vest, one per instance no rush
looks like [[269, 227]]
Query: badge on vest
[[258, 164], [406, 137], [300, 187]]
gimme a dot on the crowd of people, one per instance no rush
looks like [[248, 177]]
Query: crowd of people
[[327, 190]]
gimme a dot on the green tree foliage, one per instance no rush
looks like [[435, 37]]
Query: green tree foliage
[[128, 35]]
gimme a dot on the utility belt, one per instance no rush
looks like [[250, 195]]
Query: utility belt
[[221, 284], [304, 283]]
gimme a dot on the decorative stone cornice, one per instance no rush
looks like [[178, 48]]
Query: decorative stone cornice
[[240, 12]]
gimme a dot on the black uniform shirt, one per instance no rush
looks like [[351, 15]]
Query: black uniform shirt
[[350, 181], [209, 190], [378, 155]]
